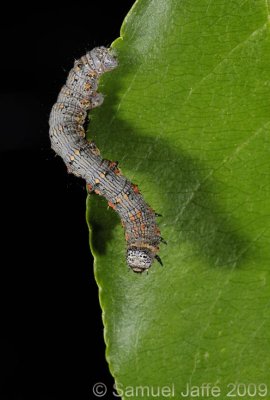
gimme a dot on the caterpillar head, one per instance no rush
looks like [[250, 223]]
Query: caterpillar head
[[109, 60], [104, 59], [139, 260]]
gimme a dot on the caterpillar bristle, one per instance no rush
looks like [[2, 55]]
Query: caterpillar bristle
[[163, 240], [159, 260]]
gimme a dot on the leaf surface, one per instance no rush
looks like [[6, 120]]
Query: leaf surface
[[186, 114]]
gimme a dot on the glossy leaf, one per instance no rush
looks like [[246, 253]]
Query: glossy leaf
[[186, 114]]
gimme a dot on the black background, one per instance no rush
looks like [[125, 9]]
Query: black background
[[52, 347]]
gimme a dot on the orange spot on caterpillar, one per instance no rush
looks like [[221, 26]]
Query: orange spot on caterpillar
[[131, 218], [91, 74], [89, 187], [142, 227], [139, 214], [85, 103], [113, 164], [97, 191], [110, 204], [79, 119], [81, 131], [94, 148], [87, 86], [135, 188], [97, 181]]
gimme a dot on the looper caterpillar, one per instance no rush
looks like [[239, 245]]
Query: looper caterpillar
[[83, 158]]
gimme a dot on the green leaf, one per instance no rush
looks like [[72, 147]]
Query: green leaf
[[187, 116]]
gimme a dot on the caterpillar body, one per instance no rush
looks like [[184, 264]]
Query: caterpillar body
[[83, 158]]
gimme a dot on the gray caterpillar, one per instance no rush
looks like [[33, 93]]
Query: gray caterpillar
[[83, 158]]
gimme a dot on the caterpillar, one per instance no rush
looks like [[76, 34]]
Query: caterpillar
[[83, 158]]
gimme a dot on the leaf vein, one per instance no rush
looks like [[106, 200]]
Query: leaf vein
[[225, 59]]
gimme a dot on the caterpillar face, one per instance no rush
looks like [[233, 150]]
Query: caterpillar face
[[103, 59], [139, 260]]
